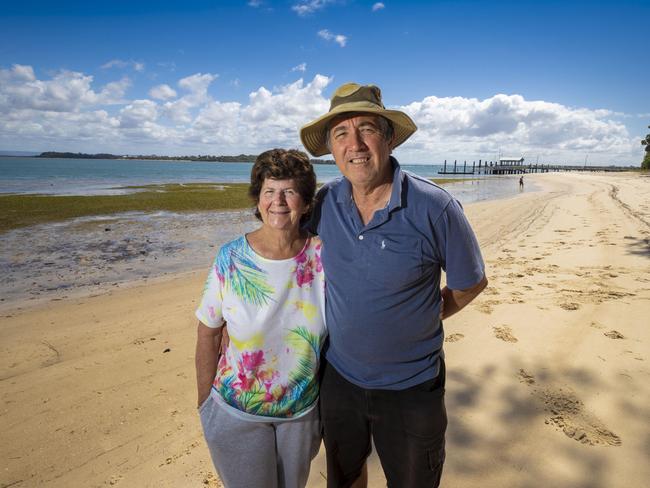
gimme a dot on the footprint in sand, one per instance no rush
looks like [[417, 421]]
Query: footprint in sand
[[614, 334], [504, 333], [524, 377], [515, 275], [454, 337], [211, 481], [547, 285], [568, 414], [487, 306], [115, 479], [570, 306]]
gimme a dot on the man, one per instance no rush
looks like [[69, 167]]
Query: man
[[387, 235]]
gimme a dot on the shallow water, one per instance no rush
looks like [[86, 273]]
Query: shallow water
[[51, 260]]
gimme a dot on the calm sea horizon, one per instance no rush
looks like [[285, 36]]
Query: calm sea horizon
[[53, 176]]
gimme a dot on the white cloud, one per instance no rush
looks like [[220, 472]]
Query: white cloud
[[307, 7], [66, 91], [113, 92], [302, 67], [21, 72], [340, 39], [67, 112], [196, 86], [378, 6], [467, 127], [121, 64], [254, 3], [270, 119], [162, 92], [138, 113]]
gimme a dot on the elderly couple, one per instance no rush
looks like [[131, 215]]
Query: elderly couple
[[351, 276]]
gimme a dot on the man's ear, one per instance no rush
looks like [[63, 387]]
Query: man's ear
[[391, 143]]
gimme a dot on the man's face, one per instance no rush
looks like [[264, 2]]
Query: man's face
[[360, 150]]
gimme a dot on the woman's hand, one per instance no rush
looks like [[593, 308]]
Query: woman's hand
[[208, 345]]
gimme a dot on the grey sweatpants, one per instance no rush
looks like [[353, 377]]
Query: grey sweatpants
[[250, 454]]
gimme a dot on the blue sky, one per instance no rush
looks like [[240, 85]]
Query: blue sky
[[551, 80]]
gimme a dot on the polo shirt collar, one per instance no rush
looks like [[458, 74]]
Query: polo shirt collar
[[396, 192]]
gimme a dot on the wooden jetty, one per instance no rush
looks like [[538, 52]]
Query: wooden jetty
[[509, 168]]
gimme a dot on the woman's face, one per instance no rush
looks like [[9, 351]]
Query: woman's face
[[280, 204]]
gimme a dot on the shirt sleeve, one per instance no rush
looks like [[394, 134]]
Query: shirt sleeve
[[459, 252], [209, 310]]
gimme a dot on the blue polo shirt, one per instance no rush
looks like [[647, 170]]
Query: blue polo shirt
[[383, 278]]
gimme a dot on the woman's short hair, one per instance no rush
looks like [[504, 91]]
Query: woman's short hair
[[284, 164]]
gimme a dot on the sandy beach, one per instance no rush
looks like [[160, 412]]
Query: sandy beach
[[548, 375]]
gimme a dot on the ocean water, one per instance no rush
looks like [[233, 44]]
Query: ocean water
[[50, 261], [110, 176]]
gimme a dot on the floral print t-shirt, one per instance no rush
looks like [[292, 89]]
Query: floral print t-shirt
[[275, 314]]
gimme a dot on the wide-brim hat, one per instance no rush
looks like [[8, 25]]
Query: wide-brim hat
[[353, 97]]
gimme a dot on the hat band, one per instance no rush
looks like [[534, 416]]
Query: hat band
[[362, 106]]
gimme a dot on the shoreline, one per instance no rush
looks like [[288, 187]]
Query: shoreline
[[547, 370], [85, 255]]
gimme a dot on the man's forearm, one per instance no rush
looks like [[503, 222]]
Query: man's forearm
[[456, 300], [208, 344]]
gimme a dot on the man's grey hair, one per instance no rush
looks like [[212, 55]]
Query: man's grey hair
[[385, 127]]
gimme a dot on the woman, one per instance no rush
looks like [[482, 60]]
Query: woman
[[258, 400]]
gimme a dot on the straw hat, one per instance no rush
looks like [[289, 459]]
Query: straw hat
[[353, 97]]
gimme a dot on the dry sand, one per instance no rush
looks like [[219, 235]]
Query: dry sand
[[548, 374]]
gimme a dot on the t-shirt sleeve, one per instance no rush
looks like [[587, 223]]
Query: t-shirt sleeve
[[459, 252], [209, 310]]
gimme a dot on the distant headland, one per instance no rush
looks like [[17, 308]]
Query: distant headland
[[241, 158]]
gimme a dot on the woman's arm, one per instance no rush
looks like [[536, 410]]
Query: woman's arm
[[208, 344]]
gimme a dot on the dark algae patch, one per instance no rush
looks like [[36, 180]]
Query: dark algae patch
[[24, 210]]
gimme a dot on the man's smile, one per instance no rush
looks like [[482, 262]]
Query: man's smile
[[360, 160]]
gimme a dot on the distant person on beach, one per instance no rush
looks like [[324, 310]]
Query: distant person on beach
[[387, 236], [521, 183], [258, 400]]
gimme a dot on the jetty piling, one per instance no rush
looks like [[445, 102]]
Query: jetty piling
[[499, 168]]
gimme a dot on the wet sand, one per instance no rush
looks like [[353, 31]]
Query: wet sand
[[91, 254], [547, 371]]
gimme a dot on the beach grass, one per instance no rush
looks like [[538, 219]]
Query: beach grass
[[24, 210]]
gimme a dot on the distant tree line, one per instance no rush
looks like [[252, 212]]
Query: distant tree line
[[241, 158], [69, 155], [646, 159]]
